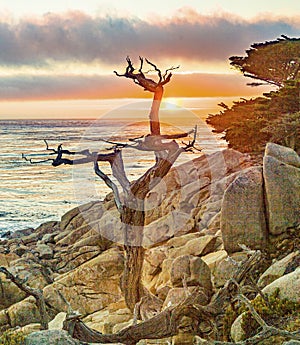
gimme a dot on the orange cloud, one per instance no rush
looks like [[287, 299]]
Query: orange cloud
[[64, 87]]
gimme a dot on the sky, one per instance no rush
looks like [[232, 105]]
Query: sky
[[66, 51]]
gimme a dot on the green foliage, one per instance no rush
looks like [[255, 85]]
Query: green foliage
[[249, 124], [278, 309], [285, 130], [12, 338], [230, 315], [273, 62], [281, 313]]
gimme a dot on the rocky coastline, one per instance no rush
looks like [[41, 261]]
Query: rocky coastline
[[202, 220]]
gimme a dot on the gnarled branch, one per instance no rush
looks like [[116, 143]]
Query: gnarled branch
[[110, 184], [166, 323], [139, 76]]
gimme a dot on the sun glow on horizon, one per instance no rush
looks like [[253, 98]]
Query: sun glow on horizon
[[62, 53]]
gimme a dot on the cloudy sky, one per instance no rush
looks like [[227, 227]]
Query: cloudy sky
[[67, 50]]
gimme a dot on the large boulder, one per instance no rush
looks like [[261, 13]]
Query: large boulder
[[6, 259], [176, 223], [23, 313], [91, 286], [164, 277], [180, 241], [237, 332], [283, 154], [105, 320], [226, 267], [81, 215], [10, 293], [193, 270], [242, 215], [4, 321], [44, 251], [58, 321], [213, 259], [178, 295], [279, 268], [288, 285], [24, 268], [50, 337], [153, 263], [281, 171], [197, 247]]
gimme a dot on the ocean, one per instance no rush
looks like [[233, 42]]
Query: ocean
[[31, 194]]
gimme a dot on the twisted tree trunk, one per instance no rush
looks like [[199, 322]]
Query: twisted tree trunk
[[133, 216], [133, 220], [154, 113], [131, 208]]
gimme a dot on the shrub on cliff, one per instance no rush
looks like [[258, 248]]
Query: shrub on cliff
[[12, 338]]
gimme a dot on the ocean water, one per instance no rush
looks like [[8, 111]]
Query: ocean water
[[31, 194]]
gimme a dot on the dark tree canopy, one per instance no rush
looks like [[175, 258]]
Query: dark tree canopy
[[249, 124], [271, 62]]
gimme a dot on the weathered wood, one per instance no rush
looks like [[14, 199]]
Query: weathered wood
[[166, 323], [133, 220]]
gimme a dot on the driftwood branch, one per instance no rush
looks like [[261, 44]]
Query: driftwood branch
[[36, 293], [140, 142], [166, 323], [36, 161], [190, 146]]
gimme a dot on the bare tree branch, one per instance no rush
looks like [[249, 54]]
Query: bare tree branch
[[141, 64], [170, 69], [155, 69], [36, 162], [252, 310], [110, 184], [114, 158], [47, 147], [166, 322], [140, 79]]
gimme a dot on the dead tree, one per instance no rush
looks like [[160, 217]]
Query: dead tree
[[149, 85], [131, 205]]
